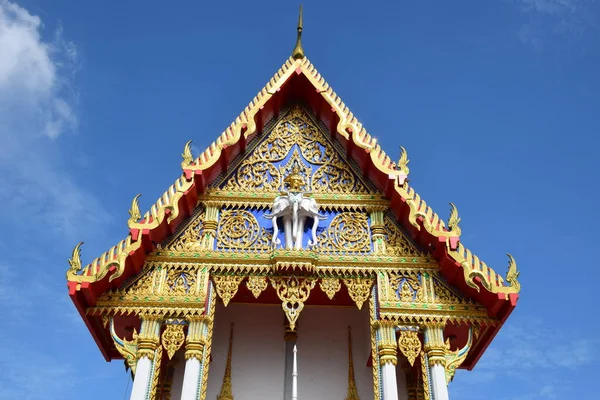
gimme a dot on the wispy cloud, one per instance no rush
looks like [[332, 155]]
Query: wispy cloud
[[552, 20], [46, 210], [38, 99], [535, 356]]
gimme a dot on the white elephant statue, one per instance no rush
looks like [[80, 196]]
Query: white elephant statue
[[294, 208]]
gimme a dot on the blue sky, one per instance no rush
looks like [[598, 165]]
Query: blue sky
[[497, 103]]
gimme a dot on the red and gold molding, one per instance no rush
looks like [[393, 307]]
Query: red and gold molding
[[296, 81]]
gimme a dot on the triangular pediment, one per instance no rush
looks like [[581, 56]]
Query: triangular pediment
[[296, 141], [296, 147]]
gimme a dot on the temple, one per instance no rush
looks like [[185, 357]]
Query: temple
[[292, 260]]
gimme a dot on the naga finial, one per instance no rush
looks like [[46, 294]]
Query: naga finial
[[454, 220], [187, 156], [403, 161], [512, 274], [134, 211], [75, 260], [298, 52]]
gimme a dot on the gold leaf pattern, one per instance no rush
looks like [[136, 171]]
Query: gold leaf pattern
[[227, 286], [293, 293], [397, 244], [190, 239], [347, 232], [256, 284], [330, 286], [297, 134], [172, 338], [409, 344], [239, 230], [359, 289]]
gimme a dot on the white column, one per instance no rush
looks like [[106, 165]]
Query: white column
[[390, 387], [438, 382], [141, 381], [295, 376], [148, 340], [191, 379], [194, 355], [388, 359], [436, 354]]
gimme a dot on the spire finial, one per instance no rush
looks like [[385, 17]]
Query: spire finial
[[298, 52]]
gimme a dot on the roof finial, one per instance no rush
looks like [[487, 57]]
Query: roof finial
[[298, 52]]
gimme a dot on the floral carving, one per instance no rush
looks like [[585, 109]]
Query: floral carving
[[330, 286], [173, 338]]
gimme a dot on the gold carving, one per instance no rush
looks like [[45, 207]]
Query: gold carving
[[403, 161], [191, 238], [187, 156], [374, 349], [256, 284], [239, 230], [134, 211], [180, 283], [173, 338], [352, 392], [348, 232], [409, 344], [434, 344], [293, 293], [155, 374], [512, 274], [425, 377], [330, 286], [75, 260], [226, 393], [455, 358], [359, 289], [126, 348], [396, 242], [406, 285], [387, 342], [454, 220], [227, 286], [258, 173], [298, 52]]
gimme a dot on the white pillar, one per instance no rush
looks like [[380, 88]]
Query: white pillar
[[295, 377], [438, 382], [191, 379], [390, 387], [388, 359], [194, 354], [148, 340], [436, 354], [141, 381]]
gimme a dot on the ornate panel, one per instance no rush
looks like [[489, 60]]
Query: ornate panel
[[396, 242], [348, 232], [239, 230], [295, 140], [170, 290], [190, 239]]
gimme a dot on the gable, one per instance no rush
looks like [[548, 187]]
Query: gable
[[296, 142]]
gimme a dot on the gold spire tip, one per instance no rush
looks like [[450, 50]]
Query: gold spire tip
[[298, 52]]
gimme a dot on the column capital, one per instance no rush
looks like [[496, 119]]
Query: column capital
[[434, 343], [387, 341], [149, 337], [196, 337]]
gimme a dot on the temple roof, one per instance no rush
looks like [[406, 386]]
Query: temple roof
[[296, 81]]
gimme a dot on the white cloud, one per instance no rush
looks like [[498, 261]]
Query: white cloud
[[31, 71], [553, 20], [38, 104]]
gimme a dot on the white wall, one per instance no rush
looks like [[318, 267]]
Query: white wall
[[258, 351], [323, 352]]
